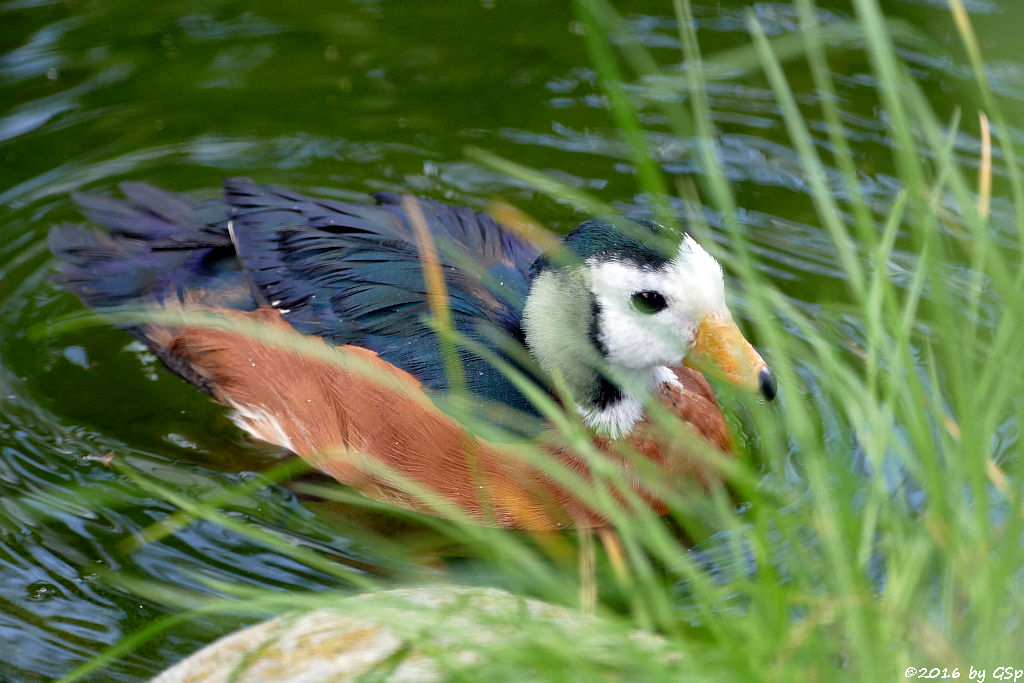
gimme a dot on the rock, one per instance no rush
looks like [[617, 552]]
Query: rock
[[412, 635]]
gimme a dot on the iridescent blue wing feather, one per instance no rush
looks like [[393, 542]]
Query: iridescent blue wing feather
[[351, 273], [346, 271], [158, 245]]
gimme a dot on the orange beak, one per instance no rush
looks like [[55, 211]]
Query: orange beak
[[721, 351]]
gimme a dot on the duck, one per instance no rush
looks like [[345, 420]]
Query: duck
[[314, 321]]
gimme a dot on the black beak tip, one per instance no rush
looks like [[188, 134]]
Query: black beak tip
[[766, 382]]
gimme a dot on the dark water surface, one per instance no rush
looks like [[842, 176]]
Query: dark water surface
[[335, 98]]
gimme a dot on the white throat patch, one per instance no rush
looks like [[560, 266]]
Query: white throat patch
[[618, 419]]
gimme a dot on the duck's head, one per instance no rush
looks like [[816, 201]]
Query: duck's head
[[616, 301]]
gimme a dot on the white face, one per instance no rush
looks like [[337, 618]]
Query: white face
[[690, 286]]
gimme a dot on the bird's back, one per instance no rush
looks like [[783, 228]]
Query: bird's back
[[348, 272]]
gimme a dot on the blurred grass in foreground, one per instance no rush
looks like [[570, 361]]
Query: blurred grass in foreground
[[913, 558]]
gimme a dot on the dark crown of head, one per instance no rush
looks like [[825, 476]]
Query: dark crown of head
[[613, 238]]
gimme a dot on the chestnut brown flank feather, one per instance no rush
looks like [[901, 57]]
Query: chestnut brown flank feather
[[335, 418]]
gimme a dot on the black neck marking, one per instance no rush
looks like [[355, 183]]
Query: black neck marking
[[606, 393], [594, 331]]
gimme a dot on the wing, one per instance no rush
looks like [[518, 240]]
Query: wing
[[157, 246], [350, 273]]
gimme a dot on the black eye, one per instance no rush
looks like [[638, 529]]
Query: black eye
[[649, 302]]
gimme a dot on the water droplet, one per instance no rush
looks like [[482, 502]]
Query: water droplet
[[40, 591], [181, 441], [76, 355]]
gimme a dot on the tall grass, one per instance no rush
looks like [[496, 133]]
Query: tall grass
[[880, 524]]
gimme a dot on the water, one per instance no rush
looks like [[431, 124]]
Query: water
[[340, 99]]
